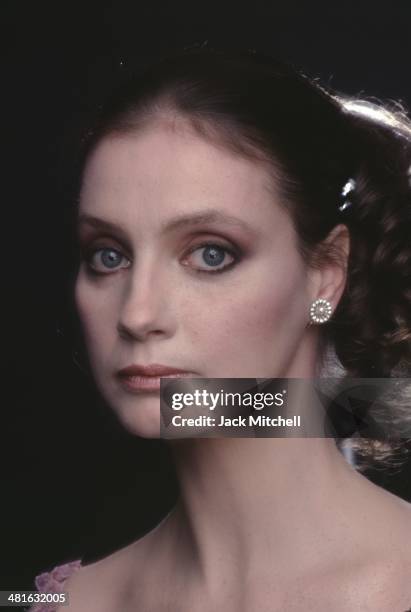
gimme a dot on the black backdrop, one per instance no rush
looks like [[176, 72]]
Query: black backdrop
[[74, 483]]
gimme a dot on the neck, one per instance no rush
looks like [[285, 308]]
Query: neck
[[246, 504]]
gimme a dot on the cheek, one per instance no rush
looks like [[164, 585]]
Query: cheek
[[265, 311], [249, 327], [85, 303], [94, 314]]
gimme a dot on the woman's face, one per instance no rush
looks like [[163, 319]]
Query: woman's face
[[198, 269]]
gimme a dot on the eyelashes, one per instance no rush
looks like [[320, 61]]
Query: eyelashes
[[212, 251], [89, 255], [213, 254]]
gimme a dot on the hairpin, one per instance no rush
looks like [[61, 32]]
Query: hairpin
[[346, 190]]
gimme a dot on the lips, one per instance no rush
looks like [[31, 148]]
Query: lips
[[137, 378], [153, 369]]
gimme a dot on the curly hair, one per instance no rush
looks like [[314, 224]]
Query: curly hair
[[312, 140]]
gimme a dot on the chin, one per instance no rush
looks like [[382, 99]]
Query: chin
[[141, 419]]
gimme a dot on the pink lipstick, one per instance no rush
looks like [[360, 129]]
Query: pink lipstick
[[139, 378]]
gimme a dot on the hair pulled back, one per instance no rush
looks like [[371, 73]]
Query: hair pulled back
[[312, 141]]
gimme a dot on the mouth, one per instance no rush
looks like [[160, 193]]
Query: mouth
[[137, 378]]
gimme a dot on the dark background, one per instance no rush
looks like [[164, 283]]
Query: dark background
[[74, 483]]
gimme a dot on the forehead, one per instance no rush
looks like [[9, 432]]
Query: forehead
[[160, 170]]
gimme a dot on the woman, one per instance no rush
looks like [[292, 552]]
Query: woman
[[223, 195]]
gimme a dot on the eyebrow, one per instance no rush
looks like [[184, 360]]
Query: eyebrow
[[189, 219]]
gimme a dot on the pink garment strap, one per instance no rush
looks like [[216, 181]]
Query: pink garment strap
[[53, 582]]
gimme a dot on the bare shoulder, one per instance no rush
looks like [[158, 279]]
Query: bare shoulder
[[118, 580], [101, 585], [377, 578], [384, 583], [380, 585], [388, 586]]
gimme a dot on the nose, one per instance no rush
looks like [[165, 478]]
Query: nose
[[145, 307]]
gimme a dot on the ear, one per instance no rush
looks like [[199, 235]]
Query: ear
[[329, 274]]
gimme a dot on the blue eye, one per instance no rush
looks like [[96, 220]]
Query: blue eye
[[213, 255], [110, 259], [105, 260]]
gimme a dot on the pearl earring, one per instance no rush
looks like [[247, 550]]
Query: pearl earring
[[320, 311]]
